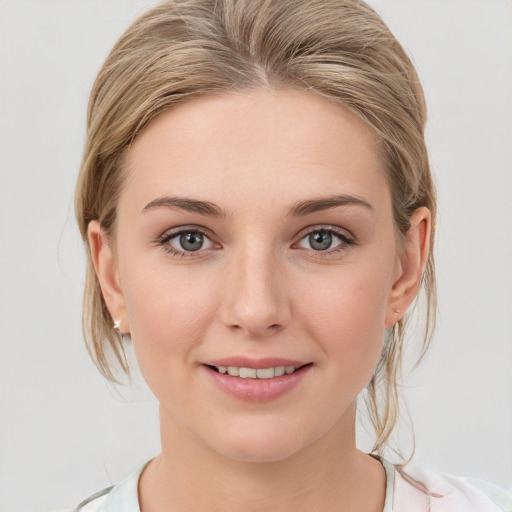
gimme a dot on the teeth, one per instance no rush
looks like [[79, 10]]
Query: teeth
[[248, 373], [279, 370], [253, 373], [265, 373]]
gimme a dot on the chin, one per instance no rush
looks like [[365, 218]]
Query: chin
[[259, 443], [260, 453]]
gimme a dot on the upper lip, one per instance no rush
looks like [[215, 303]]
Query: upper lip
[[260, 363]]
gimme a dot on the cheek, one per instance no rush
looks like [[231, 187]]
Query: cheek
[[168, 312], [346, 315]]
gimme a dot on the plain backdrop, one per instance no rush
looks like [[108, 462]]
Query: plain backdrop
[[65, 433]]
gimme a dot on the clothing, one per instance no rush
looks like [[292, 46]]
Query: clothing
[[405, 492]]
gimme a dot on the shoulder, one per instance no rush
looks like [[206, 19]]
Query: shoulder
[[418, 490], [122, 497], [499, 494], [94, 502], [91, 505]]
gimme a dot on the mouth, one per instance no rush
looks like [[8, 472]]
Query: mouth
[[256, 380], [257, 373]]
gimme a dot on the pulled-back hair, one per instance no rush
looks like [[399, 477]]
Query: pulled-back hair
[[181, 49]]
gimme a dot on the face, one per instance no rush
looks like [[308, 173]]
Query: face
[[256, 268]]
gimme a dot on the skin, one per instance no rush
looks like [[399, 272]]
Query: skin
[[258, 288]]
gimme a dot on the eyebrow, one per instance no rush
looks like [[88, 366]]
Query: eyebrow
[[187, 204], [325, 203], [299, 209]]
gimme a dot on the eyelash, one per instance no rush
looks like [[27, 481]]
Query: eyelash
[[344, 238], [166, 237]]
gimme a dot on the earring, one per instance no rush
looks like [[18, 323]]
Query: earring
[[124, 336]]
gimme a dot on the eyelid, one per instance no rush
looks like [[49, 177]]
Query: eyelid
[[169, 234], [346, 238], [341, 232]]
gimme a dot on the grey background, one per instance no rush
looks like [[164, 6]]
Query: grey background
[[65, 433]]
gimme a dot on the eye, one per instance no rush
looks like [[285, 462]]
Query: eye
[[186, 240], [325, 239]]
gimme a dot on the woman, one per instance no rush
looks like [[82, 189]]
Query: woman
[[257, 203]]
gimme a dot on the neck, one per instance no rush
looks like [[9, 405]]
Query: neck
[[330, 474]]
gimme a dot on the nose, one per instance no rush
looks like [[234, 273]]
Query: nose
[[255, 299]]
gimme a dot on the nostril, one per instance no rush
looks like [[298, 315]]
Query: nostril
[[271, 329]]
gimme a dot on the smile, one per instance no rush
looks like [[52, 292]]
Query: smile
[[255, 373], [256, 379], [271, 380]]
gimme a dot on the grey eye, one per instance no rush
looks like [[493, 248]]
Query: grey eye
[[192, 241], [320, 240], [189, 241]]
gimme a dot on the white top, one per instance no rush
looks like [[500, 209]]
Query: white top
[[416, 491]]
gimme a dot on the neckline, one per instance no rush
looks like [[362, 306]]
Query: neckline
[[389, 469], [125, 493]]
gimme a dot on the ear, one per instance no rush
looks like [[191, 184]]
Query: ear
[[105, 265], [413, 259]]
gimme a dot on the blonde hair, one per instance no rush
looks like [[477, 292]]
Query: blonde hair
[[181, 49]]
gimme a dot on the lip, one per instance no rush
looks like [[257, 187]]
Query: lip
[[258, 364], [256, 390]]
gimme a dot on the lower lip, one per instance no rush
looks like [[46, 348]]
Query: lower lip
[[257, 390]]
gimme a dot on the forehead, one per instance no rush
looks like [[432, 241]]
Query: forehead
[[262, 145]]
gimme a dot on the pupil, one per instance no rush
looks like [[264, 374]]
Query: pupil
[[191, 241], [320, 241]]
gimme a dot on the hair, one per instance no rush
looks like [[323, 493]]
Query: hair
[[182, 49]]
